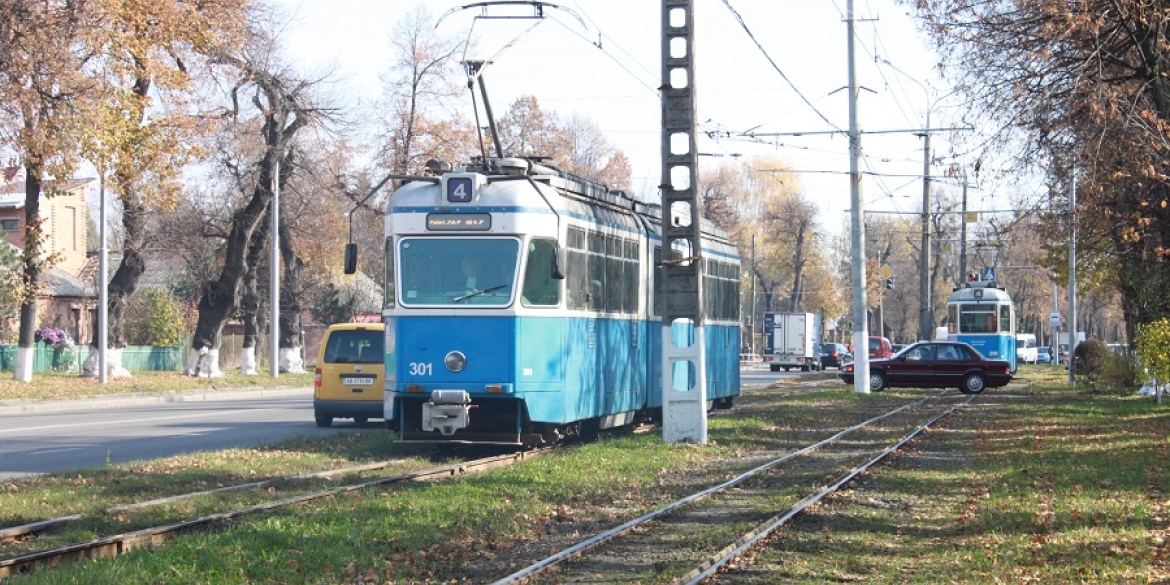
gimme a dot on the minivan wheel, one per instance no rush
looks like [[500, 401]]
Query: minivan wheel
[[877, 381], [324, 421], [973, 384]]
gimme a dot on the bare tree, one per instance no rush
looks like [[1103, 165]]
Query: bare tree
[[284, 106]]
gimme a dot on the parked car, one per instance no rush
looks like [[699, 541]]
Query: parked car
[[350, 375], [880, 348], [935, 364], [1044, 355], [835, 355]]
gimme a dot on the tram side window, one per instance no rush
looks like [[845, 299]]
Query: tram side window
[[540, 289], [596, 298], [577, 271], [630, 278], [615, 291], [1005, 318]]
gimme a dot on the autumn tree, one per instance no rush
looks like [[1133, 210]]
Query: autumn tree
[[45, 97], [146, 125], [419, 110], [417, 118], [761, 204], [1083, 84]]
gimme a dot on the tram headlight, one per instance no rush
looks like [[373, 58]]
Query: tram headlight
[[455, 361]]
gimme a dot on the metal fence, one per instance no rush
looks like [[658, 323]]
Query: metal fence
[[47, 358]]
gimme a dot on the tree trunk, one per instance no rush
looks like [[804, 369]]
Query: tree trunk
[[797, 268], [250, 304], [221, 297], [122, 285], [291, 292], [30, 259]]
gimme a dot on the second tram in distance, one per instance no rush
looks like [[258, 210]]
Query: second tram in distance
[[983, 316], [522, 307]]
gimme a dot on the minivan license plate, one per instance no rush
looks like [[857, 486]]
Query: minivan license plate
[[357, 380]]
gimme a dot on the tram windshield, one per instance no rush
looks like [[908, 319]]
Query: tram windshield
[[457, 271], [979, 318]]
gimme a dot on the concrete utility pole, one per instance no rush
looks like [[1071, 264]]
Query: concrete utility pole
[[1072, 277], [925, 312], [857, 233], [103, 286], [963, 236], [684, 370], [274, 276]]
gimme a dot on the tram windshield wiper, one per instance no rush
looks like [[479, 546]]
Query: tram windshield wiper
[[475, 293]]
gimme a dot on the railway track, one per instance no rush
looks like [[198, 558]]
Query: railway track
[[671, 542], [114, 545]]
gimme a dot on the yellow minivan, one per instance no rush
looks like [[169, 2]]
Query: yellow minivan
[[351, 373]]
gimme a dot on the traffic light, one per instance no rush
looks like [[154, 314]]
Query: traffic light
[[973, 277], [889, 283]]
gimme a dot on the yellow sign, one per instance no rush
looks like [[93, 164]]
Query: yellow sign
[[971, 217], [886, 271]]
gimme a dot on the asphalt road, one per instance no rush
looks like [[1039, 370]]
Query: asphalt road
[[53, 439], [759, 376]]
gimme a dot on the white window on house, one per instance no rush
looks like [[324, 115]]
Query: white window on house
[[10, 225]]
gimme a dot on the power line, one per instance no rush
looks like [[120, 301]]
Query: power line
[[752, 36]]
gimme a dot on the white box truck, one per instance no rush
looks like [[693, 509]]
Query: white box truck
[[792, 340]]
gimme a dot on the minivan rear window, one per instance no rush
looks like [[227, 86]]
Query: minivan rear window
[[356, 346]]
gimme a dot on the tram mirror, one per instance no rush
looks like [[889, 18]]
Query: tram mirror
[[558, 264], [350, 258]]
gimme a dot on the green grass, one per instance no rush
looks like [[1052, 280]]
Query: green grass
[[64, 386], [1032, 483]]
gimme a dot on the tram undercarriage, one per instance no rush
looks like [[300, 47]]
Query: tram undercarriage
[[503, 421]]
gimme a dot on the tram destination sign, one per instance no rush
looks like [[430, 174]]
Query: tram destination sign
[[459, 222]]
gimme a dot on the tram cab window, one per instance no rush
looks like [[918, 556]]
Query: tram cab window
[[458, 271], [978, 318], [540, 289]]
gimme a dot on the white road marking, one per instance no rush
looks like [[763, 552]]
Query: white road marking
[[136, 421]]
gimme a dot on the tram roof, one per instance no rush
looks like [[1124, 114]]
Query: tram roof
[[566, 182], [979, 292]]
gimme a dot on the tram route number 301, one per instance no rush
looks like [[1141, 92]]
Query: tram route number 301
[[421, 369]]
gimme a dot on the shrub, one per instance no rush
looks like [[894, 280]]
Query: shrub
[[1153, 347], [1120, 372], [1091, 358], [153, 317]]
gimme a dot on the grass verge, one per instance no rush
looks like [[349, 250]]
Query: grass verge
[[70, 386], [1033, 483]]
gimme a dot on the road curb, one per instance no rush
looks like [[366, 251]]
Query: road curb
[[114, 401]]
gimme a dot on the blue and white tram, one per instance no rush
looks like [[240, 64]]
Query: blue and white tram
[[983, 316], [520, 307]]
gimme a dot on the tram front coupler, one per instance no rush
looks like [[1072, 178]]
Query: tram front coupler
[[446, 412]]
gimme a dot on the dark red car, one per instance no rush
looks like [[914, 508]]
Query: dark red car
[[935, 364]]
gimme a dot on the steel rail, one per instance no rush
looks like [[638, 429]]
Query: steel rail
[[111, 546], [750, 539], [14, 532], [580, 548]]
